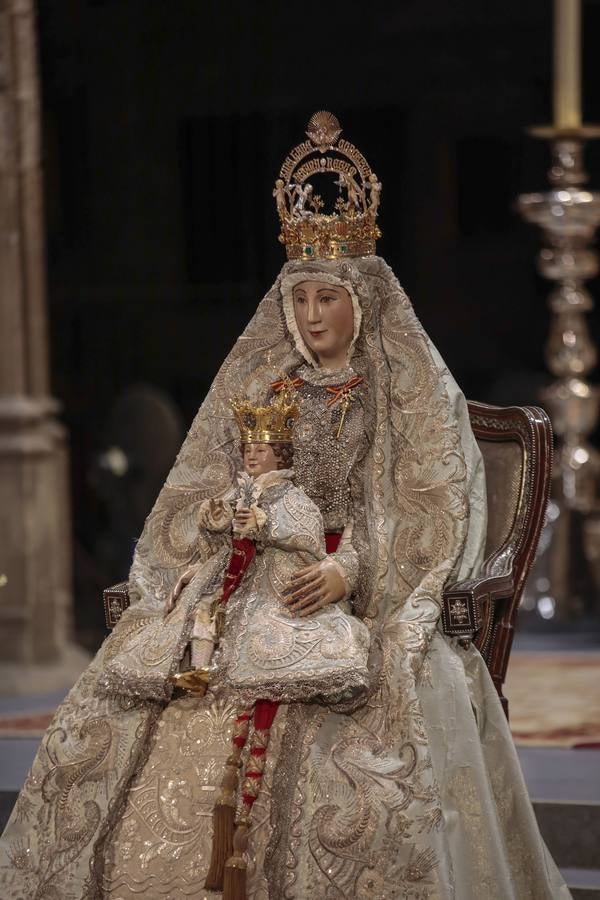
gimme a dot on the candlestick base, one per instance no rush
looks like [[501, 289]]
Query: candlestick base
[[568, 215]]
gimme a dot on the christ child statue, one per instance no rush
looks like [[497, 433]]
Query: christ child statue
[[264, 650]]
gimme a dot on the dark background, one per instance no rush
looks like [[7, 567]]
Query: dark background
[[165, 124]]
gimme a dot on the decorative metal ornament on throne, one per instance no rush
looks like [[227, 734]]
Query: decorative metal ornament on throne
[[350, 230]]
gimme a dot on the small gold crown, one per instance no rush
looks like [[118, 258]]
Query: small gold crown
[[268, 424], [307, 232]]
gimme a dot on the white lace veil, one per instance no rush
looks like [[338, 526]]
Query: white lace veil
[[288, 283], [424, 498]]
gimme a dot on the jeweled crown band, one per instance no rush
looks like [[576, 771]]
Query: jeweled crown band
[[259, 436], [350, 230], [332, 248]]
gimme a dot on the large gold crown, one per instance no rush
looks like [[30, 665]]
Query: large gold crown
[[309, 233], [268, 424]]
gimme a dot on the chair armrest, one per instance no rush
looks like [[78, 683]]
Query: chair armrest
[[463, 603], [116, 601]]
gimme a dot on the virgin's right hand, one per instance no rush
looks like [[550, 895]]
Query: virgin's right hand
[[182, 582]]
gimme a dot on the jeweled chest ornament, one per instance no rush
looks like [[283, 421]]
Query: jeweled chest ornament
[[341, 393], [351, 228]]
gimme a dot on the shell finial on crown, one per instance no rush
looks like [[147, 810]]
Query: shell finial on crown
[[351, 228]]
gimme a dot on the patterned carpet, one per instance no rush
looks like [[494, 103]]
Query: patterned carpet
[[554, 698], [23, 725]]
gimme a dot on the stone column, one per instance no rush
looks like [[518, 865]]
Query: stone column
[[35, 540]]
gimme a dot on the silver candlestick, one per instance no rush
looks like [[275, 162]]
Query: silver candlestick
[[568, 215]]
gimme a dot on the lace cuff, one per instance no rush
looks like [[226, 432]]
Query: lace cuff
[[346, 561]]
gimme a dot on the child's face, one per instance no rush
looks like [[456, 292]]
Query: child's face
[[259, 458]]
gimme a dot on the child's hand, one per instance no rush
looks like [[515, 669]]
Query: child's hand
[[245, 520], [218, 511], [214, 514]]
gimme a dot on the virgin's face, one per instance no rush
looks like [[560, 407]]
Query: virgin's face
[[325, 319]]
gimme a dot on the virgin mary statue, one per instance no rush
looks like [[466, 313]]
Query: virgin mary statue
[[411, 789]]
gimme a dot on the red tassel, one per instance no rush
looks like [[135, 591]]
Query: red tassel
[[227, 869]]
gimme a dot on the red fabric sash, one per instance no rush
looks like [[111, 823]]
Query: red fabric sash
[[264, 711], [243, 553], [332, 540]]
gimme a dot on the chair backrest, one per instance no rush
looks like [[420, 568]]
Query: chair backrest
[[516, 445]]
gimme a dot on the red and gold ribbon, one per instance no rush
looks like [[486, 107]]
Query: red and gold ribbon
[[339, 391]]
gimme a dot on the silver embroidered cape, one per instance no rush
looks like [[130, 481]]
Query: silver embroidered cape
[[415, 791]]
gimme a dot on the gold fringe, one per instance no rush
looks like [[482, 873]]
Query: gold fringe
[[223, 823], [230, 780], [222, 845], [234, 882]]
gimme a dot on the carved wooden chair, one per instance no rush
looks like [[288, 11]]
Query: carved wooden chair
[[516, 445]]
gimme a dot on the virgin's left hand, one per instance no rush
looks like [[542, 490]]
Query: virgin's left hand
[[314, 587]]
